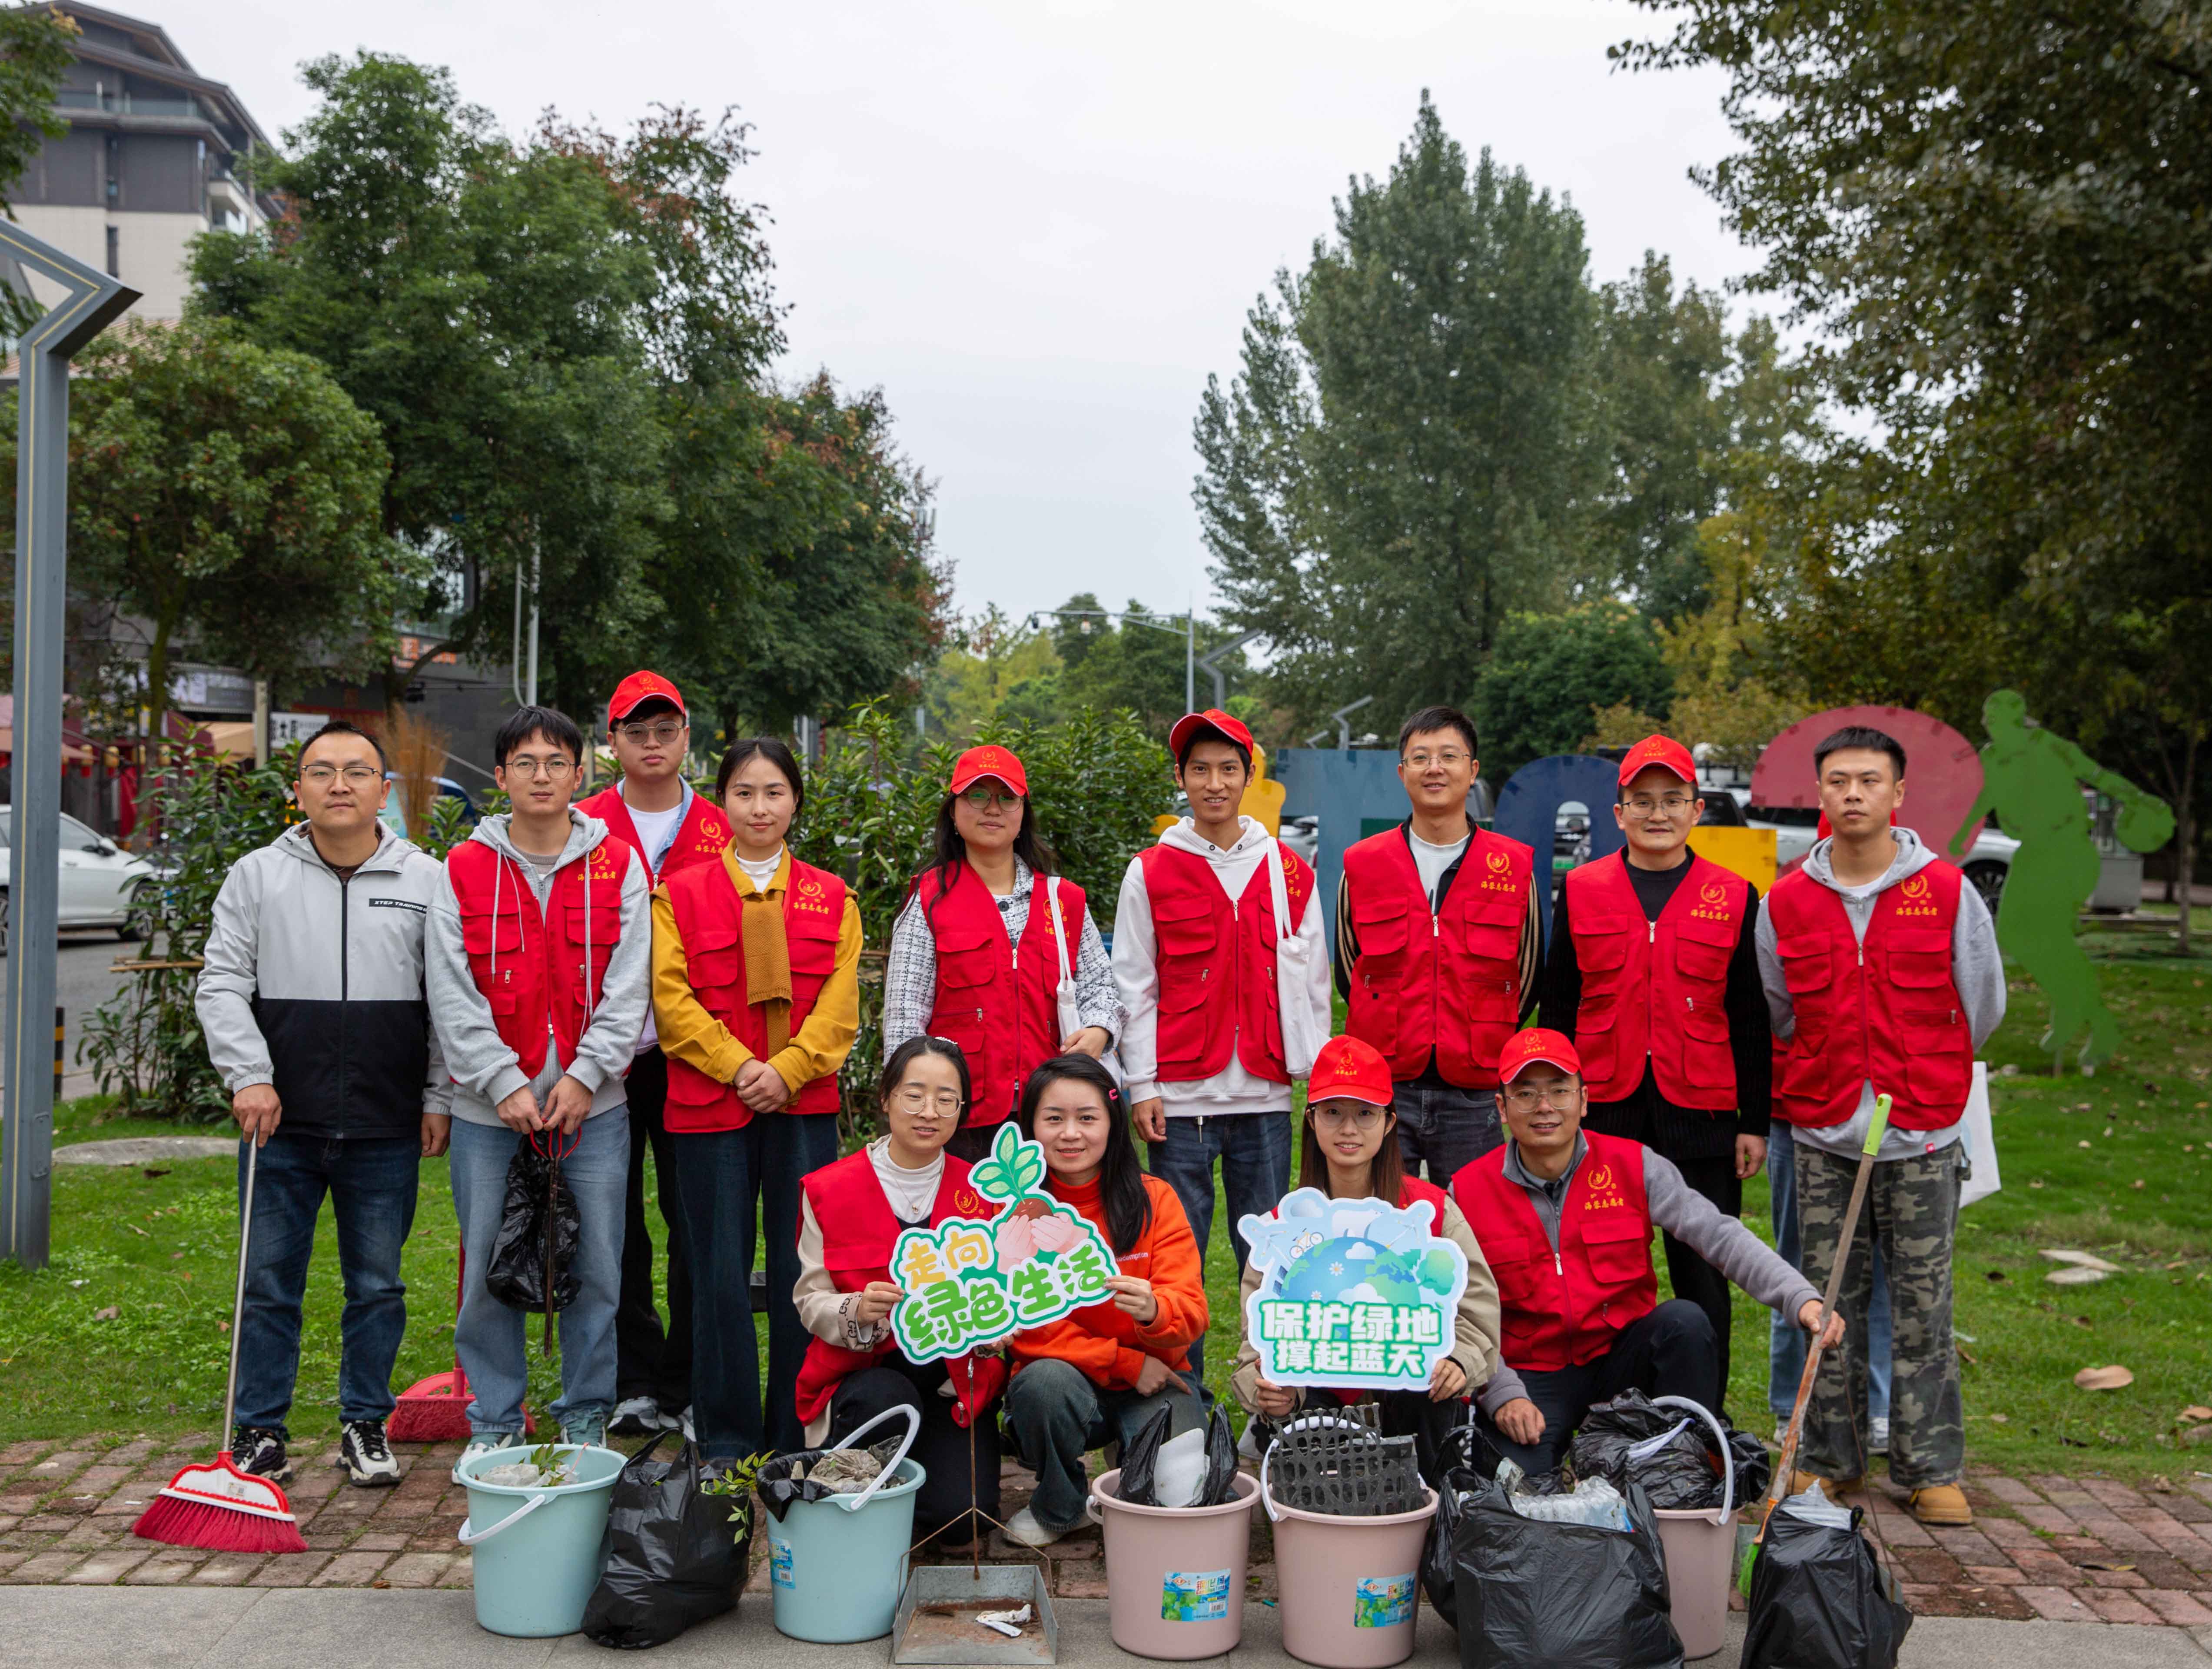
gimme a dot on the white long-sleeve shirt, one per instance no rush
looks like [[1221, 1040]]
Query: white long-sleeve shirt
[[1136, 971]]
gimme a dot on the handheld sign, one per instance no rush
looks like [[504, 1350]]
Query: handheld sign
[[1353, 1293], [970, 1281]]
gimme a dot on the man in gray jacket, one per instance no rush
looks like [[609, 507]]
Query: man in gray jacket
[[540, 956], [311, 1003]]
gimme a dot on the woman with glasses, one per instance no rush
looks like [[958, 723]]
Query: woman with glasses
[[850, 1217], [1349, 1151], [964, 962], [756, 989], [1099, 1376]]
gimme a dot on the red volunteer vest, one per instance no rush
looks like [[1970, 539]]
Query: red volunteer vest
[[538, 968], [1456, 990], [1217, 965], [1655, 989], [710, 921], [1410, 1190], [700, 838], [858, 1233], [1563, 1310], [1888, 1010], [1004, 1013]]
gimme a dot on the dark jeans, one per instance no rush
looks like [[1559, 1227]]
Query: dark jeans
[[1693, 1277], [942, 1447], [650, 1361], [1056, 1415], [371, 1183], [1254, 1151], [1444, 1126], [721, 1177], [1668, 1353]]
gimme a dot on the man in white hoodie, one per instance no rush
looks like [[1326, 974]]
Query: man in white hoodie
[[1195, 957], [1882, 975], [539, 957]]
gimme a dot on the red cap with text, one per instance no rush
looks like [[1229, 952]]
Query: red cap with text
[[1186, 726], [1665, 753], [1347, 1068], [977, 763], [639, 688], [1524, 1049]]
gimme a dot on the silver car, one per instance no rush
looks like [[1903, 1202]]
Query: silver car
[[101, 884]]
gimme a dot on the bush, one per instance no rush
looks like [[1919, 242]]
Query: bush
[[1549, 675]]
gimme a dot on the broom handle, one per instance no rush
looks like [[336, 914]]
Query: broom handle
[[1779, 1485], [238, 1303]]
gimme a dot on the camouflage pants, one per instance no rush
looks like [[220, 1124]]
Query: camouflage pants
[[1911, 1208]]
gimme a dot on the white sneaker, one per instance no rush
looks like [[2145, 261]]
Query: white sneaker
[[1025, 1528], [1781, 1430], [365, 1456], [635, 1416], [1878, 1435], [485, 1441]]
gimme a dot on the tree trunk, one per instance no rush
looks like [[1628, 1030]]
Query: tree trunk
[[2185, 832]]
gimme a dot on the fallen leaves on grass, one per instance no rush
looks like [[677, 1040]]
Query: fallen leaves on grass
[[2113, 1377], [108, 1314], [2080, 1259], [2074, 1276], [2197, 1411]]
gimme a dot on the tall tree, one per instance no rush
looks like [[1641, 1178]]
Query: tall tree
[[1409, 452], [1553, 674]]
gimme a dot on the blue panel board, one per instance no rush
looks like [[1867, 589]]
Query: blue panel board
[[1528, 808], [1346, 788]]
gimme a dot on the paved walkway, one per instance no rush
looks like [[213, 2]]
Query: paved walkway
[[2069, 1551]]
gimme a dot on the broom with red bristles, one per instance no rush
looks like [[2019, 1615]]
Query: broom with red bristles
[[218, 1506]]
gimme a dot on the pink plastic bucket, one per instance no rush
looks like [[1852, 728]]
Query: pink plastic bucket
[[1174, 1575], [1351, 1587]]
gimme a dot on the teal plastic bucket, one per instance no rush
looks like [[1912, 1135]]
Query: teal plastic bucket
[[837, 1566], [537, 1552]]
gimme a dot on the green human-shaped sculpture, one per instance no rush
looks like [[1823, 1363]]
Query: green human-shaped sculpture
[[2031, 779]]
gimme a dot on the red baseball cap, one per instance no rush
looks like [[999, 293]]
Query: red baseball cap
[[990, 760], [640, 688], [1524, 1049], [1213, 718], [1347, 1068], [1664, 751]]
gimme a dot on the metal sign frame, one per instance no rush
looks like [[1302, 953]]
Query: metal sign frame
[[91, 303]]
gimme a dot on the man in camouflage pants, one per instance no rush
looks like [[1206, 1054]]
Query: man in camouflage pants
[[1882, 975]]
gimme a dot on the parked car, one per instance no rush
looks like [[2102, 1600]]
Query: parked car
[[101, 884], [1988, 860]]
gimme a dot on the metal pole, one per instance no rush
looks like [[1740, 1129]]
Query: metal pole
[[260, 722], [27, 1114], [1190, 661], [533, 623], [1211, 661]]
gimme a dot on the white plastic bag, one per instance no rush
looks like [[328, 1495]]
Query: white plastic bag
[[1070, 1014], [1975, 1130], [1303, 1034], [1179, 1472]]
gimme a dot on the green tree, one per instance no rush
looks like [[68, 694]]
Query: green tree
[[1410, 449], [1552, 674], [227, 495], [35, 54]]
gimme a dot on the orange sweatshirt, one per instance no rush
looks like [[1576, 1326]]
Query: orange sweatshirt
[[1104, 1340]]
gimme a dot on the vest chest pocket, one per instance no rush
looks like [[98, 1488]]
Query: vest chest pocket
[[1517, 1263], [1702, 949], [602, 924], [1184, 926], [811, 942], [1489, 921], [1601, 942], [1618, 1244], [964, 959], [481, 932], [1807, 967], [1919, 957], [1595, 1038], [1380, 926], [712, 959]]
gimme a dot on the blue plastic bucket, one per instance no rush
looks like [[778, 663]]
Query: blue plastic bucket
[[837, 1566], [537, 1550]]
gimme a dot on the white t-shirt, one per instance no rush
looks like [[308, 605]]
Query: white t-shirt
[[656, 829], [911, 1193], [1431, 861], [760, 873]]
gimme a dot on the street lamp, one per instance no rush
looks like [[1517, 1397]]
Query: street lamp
[[1212, 658], [1339, 718]]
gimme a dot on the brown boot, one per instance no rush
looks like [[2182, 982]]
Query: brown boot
[[1941, 1503], [1834, 1488]]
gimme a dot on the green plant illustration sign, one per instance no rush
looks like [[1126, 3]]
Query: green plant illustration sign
[[970, 1281]]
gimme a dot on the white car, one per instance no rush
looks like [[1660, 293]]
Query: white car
[[1988, 860], [101, 884]]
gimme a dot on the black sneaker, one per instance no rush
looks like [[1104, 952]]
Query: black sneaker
[[365, 1456], [259, 1450]]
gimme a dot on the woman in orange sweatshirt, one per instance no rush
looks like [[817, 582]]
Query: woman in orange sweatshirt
[[1096, 1376]]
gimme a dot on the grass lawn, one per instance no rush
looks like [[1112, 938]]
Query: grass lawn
[[126, 1331]]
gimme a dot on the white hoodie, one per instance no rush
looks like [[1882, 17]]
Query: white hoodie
[[1233, 1089]]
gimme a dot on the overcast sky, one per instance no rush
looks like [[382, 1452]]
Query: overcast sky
[[1037, 225]]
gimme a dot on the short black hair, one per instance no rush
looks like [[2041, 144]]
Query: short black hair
[[651, 708], [1439, 718], [1860, 736], [524, 723], [772, 750], [340, 727], [913, 1048], [1207, 732]]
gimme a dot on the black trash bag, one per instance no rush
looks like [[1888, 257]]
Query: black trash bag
[[777, 1489], [1221, 1459], [672, 1558], [1437, 1578], [1681, 1474], [1139, 1456], [516, 1274], [1820, 1599], [1754, 1466], [1532, 1595]]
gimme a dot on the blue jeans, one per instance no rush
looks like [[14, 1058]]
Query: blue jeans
[[1057, 1415], [719, 1176], [489, 1337], [1254, 1151], [1785, 1344], [1446, 1126], [371, 1183]]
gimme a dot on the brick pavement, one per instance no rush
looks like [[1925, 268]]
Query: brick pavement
[[2080, 1549]]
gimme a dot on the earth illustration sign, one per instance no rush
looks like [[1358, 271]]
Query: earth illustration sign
[[1356, 1294]]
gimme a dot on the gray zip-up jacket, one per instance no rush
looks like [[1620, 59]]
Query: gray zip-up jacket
[[485, 1071], [1976, 969], [1688, 1215], [314, 986]]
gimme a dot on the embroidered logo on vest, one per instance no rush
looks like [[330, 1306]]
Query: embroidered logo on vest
[[1601, 1180], [1916, 897], [810, 897]]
